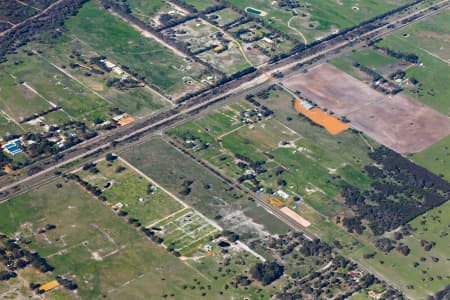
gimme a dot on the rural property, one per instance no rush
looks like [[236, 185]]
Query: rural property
[[225, 149]]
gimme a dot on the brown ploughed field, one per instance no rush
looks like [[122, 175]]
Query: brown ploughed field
[[398, 122]]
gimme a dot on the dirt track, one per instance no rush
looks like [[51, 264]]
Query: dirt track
[[398, 122]]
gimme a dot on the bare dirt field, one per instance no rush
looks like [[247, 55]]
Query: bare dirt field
[[292, 214], [398, 122]]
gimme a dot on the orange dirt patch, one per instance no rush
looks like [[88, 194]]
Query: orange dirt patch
[[278, 203], [7, 169], [330, 123], [275, 202], [269, 77], [98, 87], [126, 121], [49, 286], [295, 216]]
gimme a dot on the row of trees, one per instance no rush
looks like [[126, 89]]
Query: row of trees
[[407, 57], [378, 81]]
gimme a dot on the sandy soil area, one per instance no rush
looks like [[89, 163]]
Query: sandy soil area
[[295, 216]]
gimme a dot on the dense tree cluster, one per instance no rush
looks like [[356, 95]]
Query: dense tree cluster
[[16, 12], [315, 248], [289, 3], [67, 283], [4, 161], [7, 275], [267, 272], [231, 235], [400, 192], [14, 257], [48, 20]]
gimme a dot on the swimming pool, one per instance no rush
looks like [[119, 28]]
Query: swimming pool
[[254, 11]]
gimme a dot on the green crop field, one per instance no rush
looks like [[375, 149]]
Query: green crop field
[[319, 18], [127, 187], [430, 40], [124, 45]]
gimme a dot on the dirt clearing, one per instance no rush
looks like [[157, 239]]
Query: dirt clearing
[[330, 123], [295, 216], [398, 122]]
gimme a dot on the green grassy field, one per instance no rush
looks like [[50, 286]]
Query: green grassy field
[[351, 150], [345, 64], [430, 40], [374, 60], [200, 4], [209, 195], [315, 163], [137, 101], [429, 277], [318, 18], [15, 99], [105, 256], [126, 46], [268, 135], [145, 9], [8, 127], [226, 16], [52, 86], [436, 158], [127, 187]]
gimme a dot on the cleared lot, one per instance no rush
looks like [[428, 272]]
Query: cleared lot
[[395, 121]]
